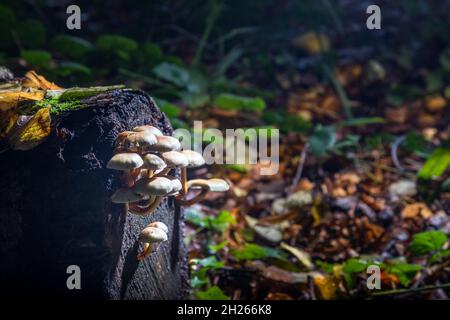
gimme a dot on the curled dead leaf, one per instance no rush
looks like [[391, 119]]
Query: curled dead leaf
[[33, 80], [29, 131], [415, 210], [302, 256]]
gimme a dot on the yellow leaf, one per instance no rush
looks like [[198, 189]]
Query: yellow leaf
[[25, 136], [7, 120], [327, 286], [301, 255], [33, 80], [10, 99]]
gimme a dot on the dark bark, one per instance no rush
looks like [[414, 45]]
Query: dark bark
[[55, 211]]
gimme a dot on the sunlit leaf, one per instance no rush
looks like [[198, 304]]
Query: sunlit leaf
[[213, 293], [427, 242]]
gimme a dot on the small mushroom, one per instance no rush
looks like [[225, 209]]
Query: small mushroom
[[166, 143], [159, 225], [175, 159], [176, 186], [153, 163], [158, 187], [136, 141], [150, 236], [214, 185], [195, 159], [150, 129], [125, 161], [125, 195]]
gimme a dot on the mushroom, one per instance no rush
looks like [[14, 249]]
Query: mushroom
[[151, 236], [157, 187], [159, 225], [150, 129], [125, 195], [135, 141], [214, 185], [195, 159], [128, 162], [165, 143], [153, 163]]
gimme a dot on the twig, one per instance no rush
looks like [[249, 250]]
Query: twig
[[394, 152], [301, 164], [340, 91], [411, 290]]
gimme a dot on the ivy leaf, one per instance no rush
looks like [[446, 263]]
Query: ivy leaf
[[213, 293], [405, 272], [252, 251], [322, 140], [427, 242]]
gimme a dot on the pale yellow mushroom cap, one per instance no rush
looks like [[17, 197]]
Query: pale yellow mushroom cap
[[124, 195], [195, 159], [215, 185], [156, 186], [152, 235], [159, 225], [150, 129], [175, 159], [125, 161], [153, 162], [166, 143], [135, 141]]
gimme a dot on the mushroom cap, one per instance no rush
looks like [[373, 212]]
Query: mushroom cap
[[125, 195], [175, 159], [166, 143], [159, 225], [152, 235], [125, 161], [176, 185], [150, 129], [215, 185], [134, 141], [153, 162], [155, 186], [195, 159]]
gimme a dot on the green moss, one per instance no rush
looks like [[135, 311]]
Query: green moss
[[56, 106]]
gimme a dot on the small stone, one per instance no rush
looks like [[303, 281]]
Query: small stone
[[402, 188]]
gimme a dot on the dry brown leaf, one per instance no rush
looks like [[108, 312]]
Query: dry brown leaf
[[31, 132], [416, 209], [435, 103], [312, 42], [33, 80]]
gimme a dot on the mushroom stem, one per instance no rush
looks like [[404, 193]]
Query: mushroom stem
[[184, 180], [163, 172], [145, 211], [148, 248], [150, 173], [188, 202]]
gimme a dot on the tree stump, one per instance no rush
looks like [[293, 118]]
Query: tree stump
[[56, 211]]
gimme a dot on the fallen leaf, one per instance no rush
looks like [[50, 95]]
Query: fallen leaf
[[435, 103], [33, 80], [31, 131], [415, 210], [312, 42], [10, 99], [302, 256]]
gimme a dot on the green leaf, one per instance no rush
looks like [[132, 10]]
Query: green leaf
[[121, 46], [171, 110], [405, 272], [223, 221], [217, 247], [173, 73], [241, 168], [213, 293], [322, 140], [427, 242], [230, 101], [440, 255], [71, 47], [197, 282], [354, 266], [37, 58], [210, 263], [70, 68], [436, 165], [252, 251], [196, 217]]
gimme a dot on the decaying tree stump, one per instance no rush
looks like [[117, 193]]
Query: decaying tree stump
[[55, 211]]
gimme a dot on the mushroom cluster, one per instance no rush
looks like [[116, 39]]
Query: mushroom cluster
[[146, 157]]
